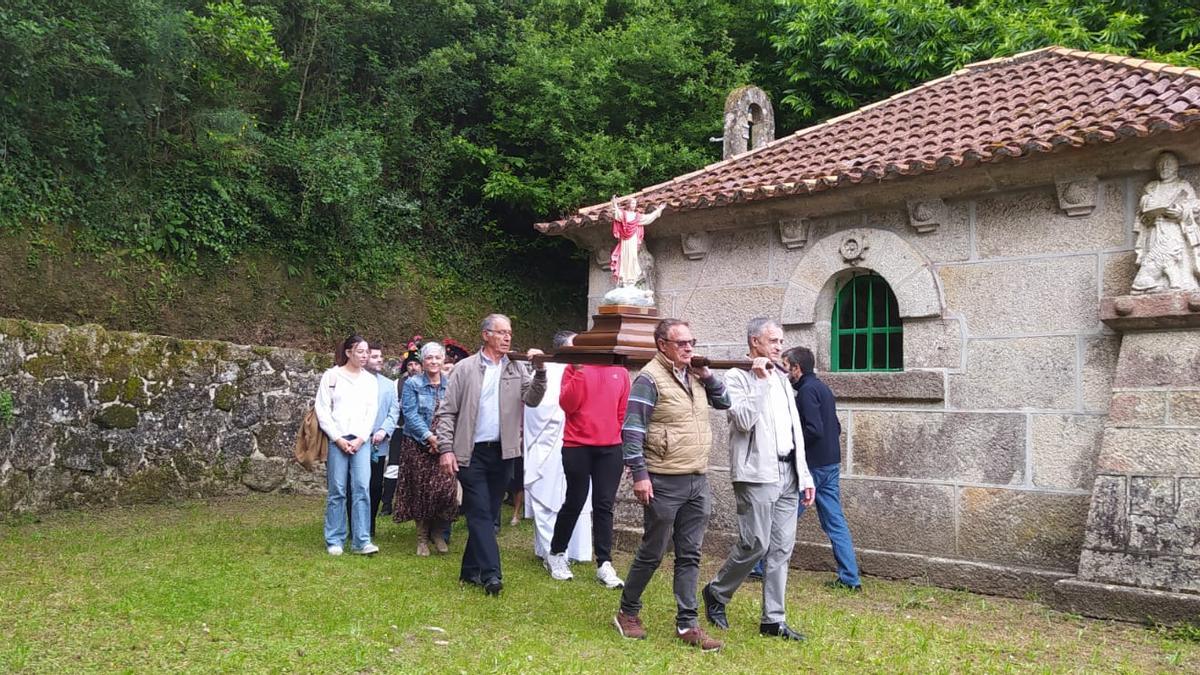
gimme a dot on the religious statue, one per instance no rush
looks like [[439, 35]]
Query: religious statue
[[633, 287], [1168, 238]]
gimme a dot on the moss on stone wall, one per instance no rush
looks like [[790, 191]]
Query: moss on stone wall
[[107, 392], [225, 397], [45, 366], [133, 391], [13, 491], [117, 417], [151, 484], [6, 408], [108, 416], [318, 361]]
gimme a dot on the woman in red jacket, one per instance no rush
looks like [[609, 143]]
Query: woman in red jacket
[[594, 399]]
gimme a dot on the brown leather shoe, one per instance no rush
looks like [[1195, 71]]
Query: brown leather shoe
[[696, 637], [629, 626]]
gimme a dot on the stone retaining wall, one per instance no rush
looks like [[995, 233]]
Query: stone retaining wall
[[101, 417]]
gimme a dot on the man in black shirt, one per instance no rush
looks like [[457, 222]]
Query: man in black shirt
[[823, 453]]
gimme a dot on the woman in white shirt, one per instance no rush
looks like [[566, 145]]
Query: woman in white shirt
[[346, 404]]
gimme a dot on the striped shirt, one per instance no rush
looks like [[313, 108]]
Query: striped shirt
[[643, 396]]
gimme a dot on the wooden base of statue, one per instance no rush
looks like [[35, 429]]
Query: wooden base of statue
[[620, 335]]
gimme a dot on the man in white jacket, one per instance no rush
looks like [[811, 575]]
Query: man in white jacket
[[767, 467]]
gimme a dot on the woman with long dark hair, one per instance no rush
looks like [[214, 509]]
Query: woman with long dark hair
[[347, 401], [424, 493]]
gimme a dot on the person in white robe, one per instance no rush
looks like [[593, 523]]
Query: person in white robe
[[545, 482]]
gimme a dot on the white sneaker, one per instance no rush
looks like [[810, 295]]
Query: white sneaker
[[369, 549], [559, 567], [334, 550], [608, 576]]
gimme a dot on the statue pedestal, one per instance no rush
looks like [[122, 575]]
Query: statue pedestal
[[1180, 309], [620, 334], [1139, 556]]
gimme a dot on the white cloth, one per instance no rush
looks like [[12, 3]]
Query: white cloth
[[545, 482], [487, 421], [347, 404], [779, 401], [630, 271]]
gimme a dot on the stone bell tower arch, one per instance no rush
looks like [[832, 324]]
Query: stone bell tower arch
[[749, 120]]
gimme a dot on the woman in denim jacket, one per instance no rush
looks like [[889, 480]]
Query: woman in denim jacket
[[424, 493]]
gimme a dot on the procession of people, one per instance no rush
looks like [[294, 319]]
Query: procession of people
[[559, 437], [443, 442]]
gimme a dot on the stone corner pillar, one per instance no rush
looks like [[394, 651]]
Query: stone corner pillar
[[1141, 551]]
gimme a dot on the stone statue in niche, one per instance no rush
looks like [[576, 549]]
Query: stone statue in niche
[[647, 284], [633, 283], [1168, 237]]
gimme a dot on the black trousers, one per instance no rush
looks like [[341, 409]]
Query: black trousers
[[377, 467], [602, 466], [389, 484], [483, 482], [389, 493]]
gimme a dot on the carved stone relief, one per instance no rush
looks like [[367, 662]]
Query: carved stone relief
[[793, 232], [695, 245], [1077, 196], [854, 247], [927, 215]]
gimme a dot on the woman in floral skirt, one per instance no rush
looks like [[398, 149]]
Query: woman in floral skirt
[[424, 493]]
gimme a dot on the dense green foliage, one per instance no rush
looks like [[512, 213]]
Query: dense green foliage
[[598, 98], [840, 54], [382, 140]]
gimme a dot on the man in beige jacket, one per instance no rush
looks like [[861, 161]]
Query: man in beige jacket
[[479, 435]]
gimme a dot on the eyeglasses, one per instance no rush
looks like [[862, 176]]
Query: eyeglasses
[[503, 333], [680, 344]]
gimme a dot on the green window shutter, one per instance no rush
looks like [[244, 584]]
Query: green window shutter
[[867, 335]]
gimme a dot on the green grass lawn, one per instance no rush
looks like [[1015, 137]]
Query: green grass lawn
[[244, 584]]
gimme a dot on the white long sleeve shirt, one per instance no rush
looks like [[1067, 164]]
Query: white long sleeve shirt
[[347, 404]]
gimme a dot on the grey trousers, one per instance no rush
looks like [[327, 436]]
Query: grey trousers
[[679, 513], [766, 515]]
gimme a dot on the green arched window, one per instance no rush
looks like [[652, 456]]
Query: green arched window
[[866, 326]]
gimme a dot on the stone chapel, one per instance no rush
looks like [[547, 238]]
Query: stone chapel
[[998, 273]]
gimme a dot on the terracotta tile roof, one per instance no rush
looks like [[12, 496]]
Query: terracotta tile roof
[[1036, 102]]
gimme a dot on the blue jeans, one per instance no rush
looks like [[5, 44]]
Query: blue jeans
[[353, 472], [833, 521]]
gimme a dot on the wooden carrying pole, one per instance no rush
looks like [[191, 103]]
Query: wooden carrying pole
[[726, 364], [609, 359]]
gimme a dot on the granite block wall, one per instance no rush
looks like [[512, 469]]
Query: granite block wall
[[996, 466], [100, 417]]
